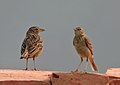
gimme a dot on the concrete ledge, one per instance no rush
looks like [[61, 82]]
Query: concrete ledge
[[80, 78], [23, 77], [30, 77], [113, 73], [115, 82], [24, 83], [114, 76]]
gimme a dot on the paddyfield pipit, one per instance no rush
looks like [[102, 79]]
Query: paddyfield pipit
[[32, 45], [84, 48]]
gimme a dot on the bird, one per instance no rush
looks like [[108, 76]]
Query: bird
[[84, 48], [32, 45]]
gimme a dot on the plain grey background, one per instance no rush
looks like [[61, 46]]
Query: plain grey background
[[100, 18]]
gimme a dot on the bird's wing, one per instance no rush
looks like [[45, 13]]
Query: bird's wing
[[24, 47], [27, 45], [89, 45], [31, 45], [34, 44]]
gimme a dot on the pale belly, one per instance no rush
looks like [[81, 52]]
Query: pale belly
[[84, 52]]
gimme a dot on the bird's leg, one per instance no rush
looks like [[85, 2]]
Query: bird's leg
[[86, 65], [26, 64], [34, 63], [77, 69]]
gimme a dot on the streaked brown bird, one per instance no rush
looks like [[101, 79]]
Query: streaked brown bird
[[32, 45], [84, 48]]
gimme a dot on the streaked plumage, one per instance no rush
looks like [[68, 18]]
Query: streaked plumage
[[32, 45], [84, 48]]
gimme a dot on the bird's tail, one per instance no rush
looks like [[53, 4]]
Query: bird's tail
[[93, 64], [24, 55]]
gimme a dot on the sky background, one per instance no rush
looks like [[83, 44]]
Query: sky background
[[100, 19]]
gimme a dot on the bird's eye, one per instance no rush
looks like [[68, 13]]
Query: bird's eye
[[79, 29], [36, 29]]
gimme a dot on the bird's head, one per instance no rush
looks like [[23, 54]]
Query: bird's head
[[79, 31], [35, 30]]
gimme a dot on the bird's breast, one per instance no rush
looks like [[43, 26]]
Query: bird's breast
[[83, 51]]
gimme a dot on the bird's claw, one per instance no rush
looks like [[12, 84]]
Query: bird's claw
[[34, 69], [75, 70]]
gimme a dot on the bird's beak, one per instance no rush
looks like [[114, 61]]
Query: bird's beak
[[41, 30], [74, 29]]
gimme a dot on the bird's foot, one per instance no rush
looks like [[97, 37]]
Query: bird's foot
[[75, 70], [84, 71], [25, 69], [34, 69]]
